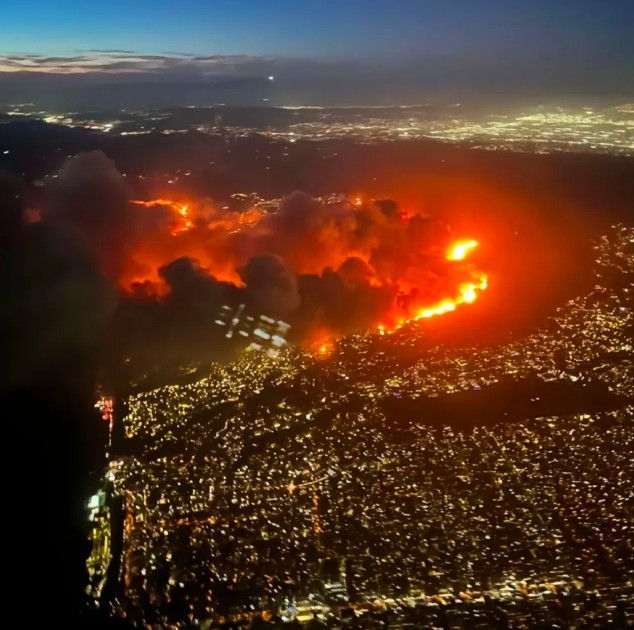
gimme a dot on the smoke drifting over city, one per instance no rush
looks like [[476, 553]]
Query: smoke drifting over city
[[327, 267]]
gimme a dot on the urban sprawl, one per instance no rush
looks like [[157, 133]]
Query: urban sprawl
[[327, 486]]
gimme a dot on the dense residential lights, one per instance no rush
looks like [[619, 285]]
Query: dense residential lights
[[263, 467]]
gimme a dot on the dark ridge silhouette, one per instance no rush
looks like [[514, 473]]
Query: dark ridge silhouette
[[509, 401]]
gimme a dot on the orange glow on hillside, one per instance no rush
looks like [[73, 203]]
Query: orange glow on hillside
[[403, 261], [467, 291]]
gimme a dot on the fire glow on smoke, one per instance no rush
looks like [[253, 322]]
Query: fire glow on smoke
[[420, 265], [326, 267]]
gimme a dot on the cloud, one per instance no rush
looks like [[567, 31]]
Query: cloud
[[126, 61], [110, 51], [319, 81], [62, 61], [7, 64], [171, 53]]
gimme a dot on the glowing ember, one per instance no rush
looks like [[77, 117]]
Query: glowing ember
[[323, 348]]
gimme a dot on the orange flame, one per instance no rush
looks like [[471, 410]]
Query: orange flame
[[467, 291], [467, 294], [214, 237], [460, 249], [325, 348], [181, 212]]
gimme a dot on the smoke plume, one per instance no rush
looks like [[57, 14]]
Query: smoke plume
[[332, 266]]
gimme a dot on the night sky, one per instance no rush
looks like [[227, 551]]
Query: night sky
[[328, 49]]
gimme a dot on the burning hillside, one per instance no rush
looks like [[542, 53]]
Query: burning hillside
[[370, 245], [331, 266]]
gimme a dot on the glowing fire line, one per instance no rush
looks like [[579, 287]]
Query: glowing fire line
[[467, 292]]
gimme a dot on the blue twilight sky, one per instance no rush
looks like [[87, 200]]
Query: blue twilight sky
[[587, 43], [299, 28]]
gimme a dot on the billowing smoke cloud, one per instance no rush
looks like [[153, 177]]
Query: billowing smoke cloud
[[269, 286], [56, 300], [90, 195], [332, 267]]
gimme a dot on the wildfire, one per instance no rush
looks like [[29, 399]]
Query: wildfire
[[182, 221], [325, 348], [459, 250], [467, 291], [223, 241], [186, 224]]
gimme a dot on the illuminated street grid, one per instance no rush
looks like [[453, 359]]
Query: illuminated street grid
[[257, 474]]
